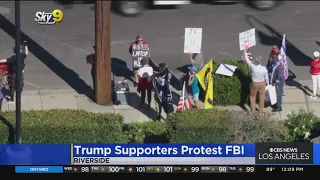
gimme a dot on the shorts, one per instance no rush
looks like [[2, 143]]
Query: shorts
[[196, 97]]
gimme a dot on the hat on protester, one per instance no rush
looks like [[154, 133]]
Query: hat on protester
[[139, 37], [193, 68], [316, 54], [275, 49]]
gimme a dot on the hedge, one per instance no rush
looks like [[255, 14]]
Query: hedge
[[63, 126], [221, 126], [192, 126], [231, 90]]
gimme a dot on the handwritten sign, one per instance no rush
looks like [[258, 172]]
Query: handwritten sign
[[192, 40], [247, 39], [139, 51]]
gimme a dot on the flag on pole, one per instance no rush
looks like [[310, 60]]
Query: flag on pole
[[206, 82], [283, 58], [184, 101]]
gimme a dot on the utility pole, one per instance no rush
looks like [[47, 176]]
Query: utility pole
[[103, 90], [18, 71]]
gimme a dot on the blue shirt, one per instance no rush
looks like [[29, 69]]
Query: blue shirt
[[194, 86]]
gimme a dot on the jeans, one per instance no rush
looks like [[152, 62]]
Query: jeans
[[279, 91], [143, 96]]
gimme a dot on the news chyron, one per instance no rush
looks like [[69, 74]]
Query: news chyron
[[284, 153]]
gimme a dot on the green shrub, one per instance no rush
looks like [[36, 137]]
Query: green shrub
[[246, 128], [63, 126], [146, 132], [198, 126], [231, 90], [299, 125]]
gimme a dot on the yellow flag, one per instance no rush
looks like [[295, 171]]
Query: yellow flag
[[206, 82], [204, 74]]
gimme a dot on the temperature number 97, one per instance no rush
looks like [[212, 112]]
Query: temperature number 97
[[194, 169]]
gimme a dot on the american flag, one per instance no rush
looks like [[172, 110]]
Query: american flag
[[249, 56], [184, 101], [283, 57]]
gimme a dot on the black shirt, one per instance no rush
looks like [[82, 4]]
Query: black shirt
[[12, 62]]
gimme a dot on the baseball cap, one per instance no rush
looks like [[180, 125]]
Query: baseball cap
[[193, 68], [316, 54]]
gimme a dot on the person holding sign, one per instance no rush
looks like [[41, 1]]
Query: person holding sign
[[145, 82], [138, 49], [259, 76]]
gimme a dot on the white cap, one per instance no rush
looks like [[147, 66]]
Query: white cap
[[316, 54]]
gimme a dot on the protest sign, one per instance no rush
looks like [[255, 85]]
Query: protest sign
[[247, 39], [139, 51], [226, 70], [271, 94], [192, 40]]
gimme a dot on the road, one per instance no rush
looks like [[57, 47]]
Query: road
[[58, 52]]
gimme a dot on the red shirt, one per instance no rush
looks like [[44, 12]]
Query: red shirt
[[315, 67], [135, 42]]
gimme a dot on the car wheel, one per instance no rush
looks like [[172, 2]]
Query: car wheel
[[263, 5], [130, 8]]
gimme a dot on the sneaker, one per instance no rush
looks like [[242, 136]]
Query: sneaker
[[313, 97], [11, 102]]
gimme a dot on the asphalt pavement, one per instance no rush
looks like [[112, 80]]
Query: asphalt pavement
[[58, 52]]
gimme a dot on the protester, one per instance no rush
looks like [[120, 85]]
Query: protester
[[12, 69], [277, 80], [197, 59], [162, 88], [273, 60], [194, 83], [145, 73], [315, 73], [259, 76], [139, 40], [91, 59]]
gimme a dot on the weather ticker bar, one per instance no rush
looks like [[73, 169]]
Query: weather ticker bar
[[160, 169]]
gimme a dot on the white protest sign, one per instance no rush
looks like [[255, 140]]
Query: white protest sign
[[226, 70], [192, 40], [247, 39], [271, 91]]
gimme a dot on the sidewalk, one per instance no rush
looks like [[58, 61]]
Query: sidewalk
[[294, 99]]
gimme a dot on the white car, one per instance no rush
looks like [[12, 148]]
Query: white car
[[135, 8]]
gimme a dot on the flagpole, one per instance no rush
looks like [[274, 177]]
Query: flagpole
[[183, 90]]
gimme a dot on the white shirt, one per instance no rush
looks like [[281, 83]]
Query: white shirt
[[145, 71], [258, 73]]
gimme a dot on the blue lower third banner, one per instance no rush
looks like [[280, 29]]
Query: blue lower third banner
[[316, 154], [163, 154], [39, 169], [35, 154]]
